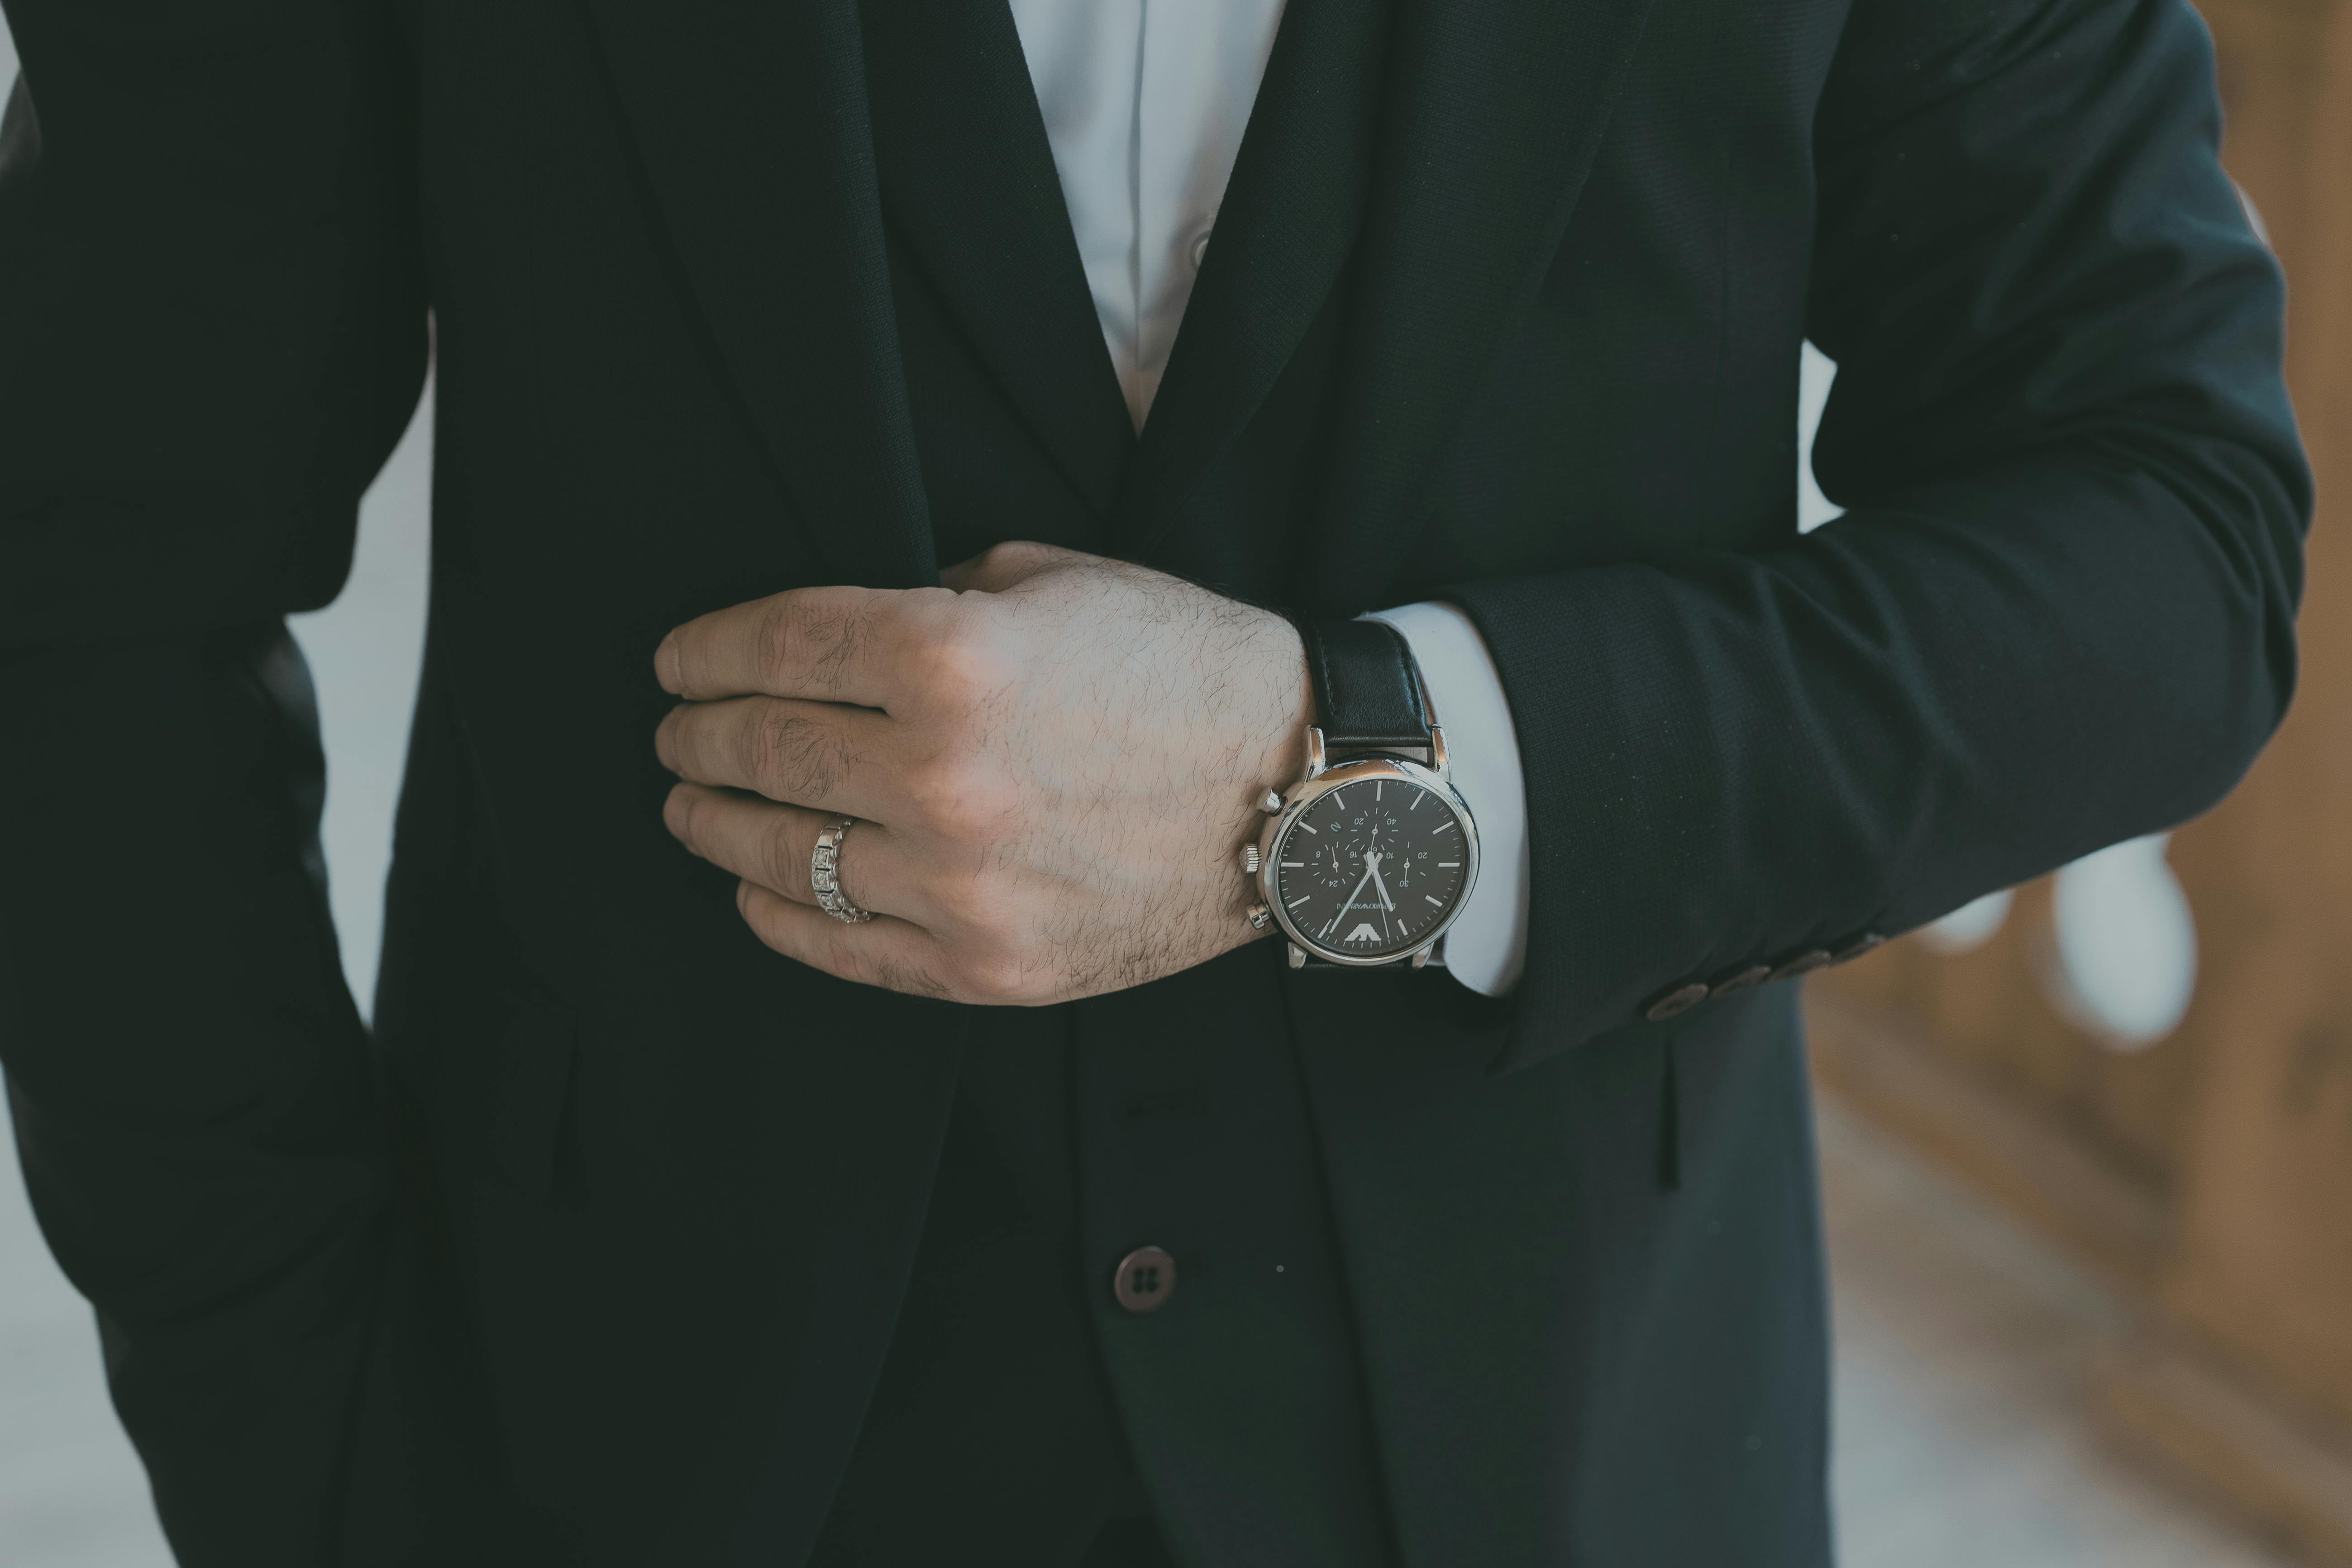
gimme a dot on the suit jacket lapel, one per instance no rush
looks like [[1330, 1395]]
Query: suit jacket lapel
[[751, 123], [1282, 237], [968, 179], [1492, 115]]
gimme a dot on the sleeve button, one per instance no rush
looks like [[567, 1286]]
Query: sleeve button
[[1755, 974], [1681, 999], [1803, 963], [1869, 939]]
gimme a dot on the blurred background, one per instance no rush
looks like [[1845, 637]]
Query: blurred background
[[2086, 1147]]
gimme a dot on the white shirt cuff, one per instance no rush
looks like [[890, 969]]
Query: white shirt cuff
[[1487, 947]]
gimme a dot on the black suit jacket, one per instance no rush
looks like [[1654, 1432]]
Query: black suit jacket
[[599, 1246]]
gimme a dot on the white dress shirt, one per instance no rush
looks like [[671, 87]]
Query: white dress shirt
[[1145, 102]]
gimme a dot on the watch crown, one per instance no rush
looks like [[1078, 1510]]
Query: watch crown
[[1258, 916], [1249, 860], [1272, 803]]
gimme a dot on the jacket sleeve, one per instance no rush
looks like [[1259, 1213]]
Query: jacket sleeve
[[212, 330], [2059, 610]]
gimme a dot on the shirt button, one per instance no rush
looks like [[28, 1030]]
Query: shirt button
[[1146, 1279], [1199, 249]]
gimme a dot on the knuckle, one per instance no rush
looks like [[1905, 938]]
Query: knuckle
[[813, 637], [1011, 557], [773, 640], [912, 609], [990, 803], [974, 904], [889, 971], [839, 641], [774, 740], [961, 798], [793, 757], [965, 664], [996, 976], [930, 786], [916, 982]]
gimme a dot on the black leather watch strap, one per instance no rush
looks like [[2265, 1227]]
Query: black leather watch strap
[[1367, 695]]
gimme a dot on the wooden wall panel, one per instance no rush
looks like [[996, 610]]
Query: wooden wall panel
[[2264, 1263], [2211, 1174]]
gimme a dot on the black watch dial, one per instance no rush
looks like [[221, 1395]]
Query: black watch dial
[[1372, 868]]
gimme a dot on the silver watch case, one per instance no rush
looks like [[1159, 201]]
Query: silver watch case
[[1321, 781]]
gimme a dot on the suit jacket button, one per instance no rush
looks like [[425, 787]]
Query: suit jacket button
[[1803, 963], [1869, 939], [1753, 974], [1681, 999], [1146, 1279]]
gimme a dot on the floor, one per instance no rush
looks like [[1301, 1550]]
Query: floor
[[1963, 1344]]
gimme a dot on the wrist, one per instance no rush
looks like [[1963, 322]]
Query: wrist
[[1370, 855], [1290, 705]]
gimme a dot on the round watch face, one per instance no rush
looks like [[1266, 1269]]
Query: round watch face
[[1372, 868]]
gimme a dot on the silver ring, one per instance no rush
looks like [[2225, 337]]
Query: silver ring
[[824, 873]]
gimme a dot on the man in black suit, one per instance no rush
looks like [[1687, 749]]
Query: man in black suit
[[625, 1239]]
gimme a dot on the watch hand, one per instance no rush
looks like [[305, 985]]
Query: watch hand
[[1387, 906], [1351, 897]]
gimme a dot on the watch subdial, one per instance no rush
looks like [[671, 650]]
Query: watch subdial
[[1335, 863]]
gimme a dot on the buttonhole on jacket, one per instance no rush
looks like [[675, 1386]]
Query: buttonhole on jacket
[[534, 1110]]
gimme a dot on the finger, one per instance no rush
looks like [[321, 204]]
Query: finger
[[1001, 566], [830, 644], [891, 953], [821, 755], [771, 845]]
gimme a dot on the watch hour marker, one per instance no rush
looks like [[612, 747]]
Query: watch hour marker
[[1441, 827], [1295, 865], [1432, 900], [1417, 800], [1298, 901], [1376, 789], [1441, 862], [1306, 827]]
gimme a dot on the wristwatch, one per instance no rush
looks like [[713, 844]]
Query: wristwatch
[[1372, 855]]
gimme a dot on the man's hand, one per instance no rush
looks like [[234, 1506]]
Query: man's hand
[[1053, 761]]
